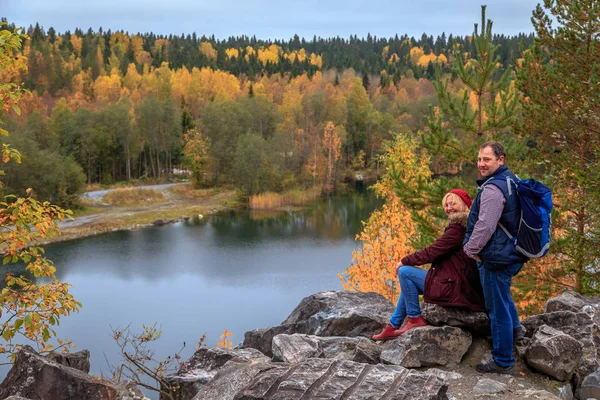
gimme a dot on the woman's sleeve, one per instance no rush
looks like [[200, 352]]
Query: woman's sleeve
[[448, 242]]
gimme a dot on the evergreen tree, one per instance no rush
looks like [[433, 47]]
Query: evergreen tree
[[561, 78], [455, 131]]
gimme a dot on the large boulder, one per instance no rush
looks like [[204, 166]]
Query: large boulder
[[579, 325], [340, 313], [333, 379], [570, 301], [478, 323], [230, 379], [554, 353], [427, 347], [79, 360], [299, 347], [37, 377], [201, 368], [332, 313]]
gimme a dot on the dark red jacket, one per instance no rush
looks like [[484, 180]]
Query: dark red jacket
[[453, 279]]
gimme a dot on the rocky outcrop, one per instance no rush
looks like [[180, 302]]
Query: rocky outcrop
[[203, 366], [477, 323], [335, 379], [554, 353], [579, 326], [37, 377], [570, 301], [333, 313], [299, 347], [230, 379], [79, 360], [427, 346]]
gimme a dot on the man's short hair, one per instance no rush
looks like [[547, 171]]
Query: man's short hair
[[497, 148]]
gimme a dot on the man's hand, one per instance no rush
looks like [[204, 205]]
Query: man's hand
[[398, 267], [477, 258]]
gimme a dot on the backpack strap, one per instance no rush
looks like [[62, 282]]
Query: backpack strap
[[509, 187]]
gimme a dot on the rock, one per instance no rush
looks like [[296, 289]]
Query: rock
[[521, 346], [477, 352], [590, 386], [34, 376], [128, 390], [586, 366], [202, 366], [16, 398], [427, 346], [260, 339], [340, 313], [330, 379], [477, 323], [554, 353], [445, 375], [579, 325], [566, 392], [79, 360], [569, 301], [295, 348], [299, 347], [487, 386], [231, 378], [332, 313]]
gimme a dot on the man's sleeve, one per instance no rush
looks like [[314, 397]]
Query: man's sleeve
[[490, 211]]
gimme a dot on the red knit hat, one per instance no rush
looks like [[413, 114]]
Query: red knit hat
[[464, 196]]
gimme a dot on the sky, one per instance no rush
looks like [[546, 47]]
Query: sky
[[273, 19]]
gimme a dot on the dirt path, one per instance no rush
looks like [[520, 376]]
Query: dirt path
[[175, 208]]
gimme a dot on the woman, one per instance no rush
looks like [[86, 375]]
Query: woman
[[452, 280]]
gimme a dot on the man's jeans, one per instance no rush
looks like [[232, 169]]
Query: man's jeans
[[412, 282], [504, 319]]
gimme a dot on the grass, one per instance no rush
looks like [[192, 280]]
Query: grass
[[270, 200], [134, 197], [188, 192]]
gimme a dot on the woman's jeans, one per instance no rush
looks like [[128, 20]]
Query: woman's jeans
[[504, 320], [412, 282]]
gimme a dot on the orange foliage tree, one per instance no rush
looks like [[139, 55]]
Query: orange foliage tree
[[390, 231]]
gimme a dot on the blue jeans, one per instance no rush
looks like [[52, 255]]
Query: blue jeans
[[412, 282], [501, 309]]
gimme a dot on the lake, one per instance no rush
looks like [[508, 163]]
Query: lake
[[237, 270]]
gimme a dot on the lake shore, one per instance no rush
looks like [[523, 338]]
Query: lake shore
[[177, 206]]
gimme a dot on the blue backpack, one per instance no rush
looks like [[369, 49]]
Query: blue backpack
[[533, 235]]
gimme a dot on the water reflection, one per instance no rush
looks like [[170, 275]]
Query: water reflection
[[219, 246]]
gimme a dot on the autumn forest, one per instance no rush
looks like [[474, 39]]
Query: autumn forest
[[105, 107]]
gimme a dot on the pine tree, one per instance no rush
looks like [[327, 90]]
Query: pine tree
[[560, 77], [455, 130]]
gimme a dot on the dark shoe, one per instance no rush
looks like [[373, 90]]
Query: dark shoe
[[412, 323], [386, 334], [518, 335], [491, 366]]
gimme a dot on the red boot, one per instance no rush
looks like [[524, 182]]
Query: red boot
[[412, 323], [386, 334]]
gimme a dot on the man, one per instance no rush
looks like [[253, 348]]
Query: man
[[496, 209]]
